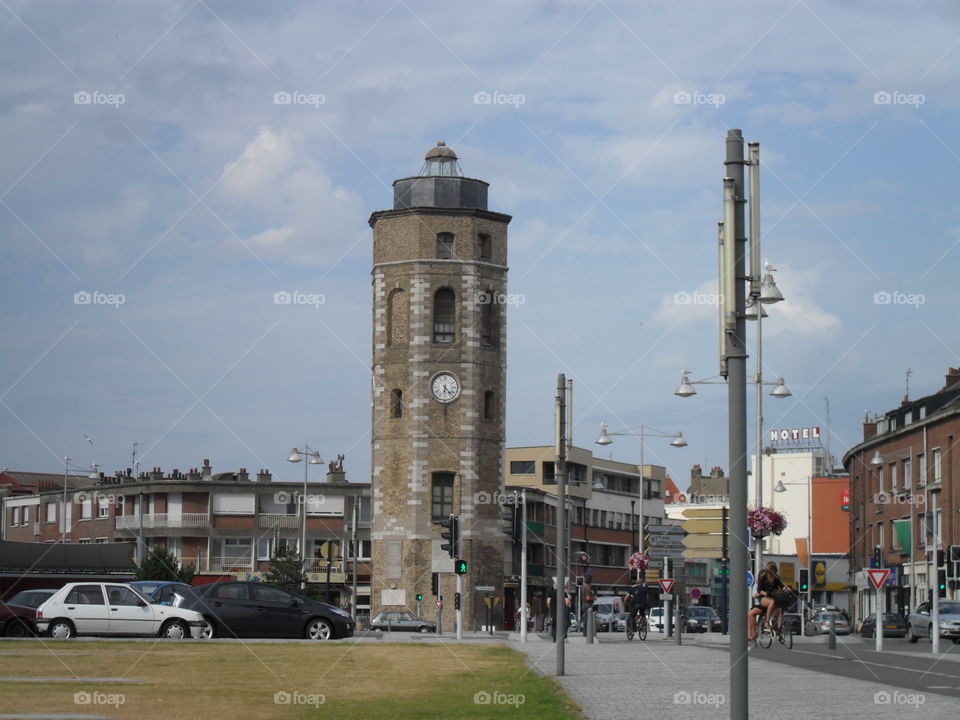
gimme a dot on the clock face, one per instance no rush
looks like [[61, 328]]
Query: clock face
[[445, 387]]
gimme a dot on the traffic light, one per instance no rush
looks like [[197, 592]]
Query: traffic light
[[419, 597], [456, 601], [452, 536], [941, 582], [460, 567], [435, 584], [803, 582]]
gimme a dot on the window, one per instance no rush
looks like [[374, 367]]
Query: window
[[880, 480], [444, 316], [936, 465], [396, 403], [893, 477], [921, 470], [51, 512], [489, 409], [85, 595], [103, 506], [102, 540], [488, 318], [26, 515], [880, 542], [86, 508], [523, 467], [231, 591], [123, 596], [444, 246], [266, 593], [398, 317], [365, 548], [15, 517], [907, 475], [483, 247], [442, 496], [84, 541]]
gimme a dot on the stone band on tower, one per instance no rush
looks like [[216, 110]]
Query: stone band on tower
[[439, 379]]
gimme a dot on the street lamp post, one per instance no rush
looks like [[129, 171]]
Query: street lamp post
[[644, 432], [313, 458], [781, 487]]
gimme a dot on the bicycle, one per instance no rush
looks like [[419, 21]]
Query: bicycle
[[767, 630], [637, 616]]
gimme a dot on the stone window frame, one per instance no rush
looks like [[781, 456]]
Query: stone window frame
[[441, 508], [446, 327]]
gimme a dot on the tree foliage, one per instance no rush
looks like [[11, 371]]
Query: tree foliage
[[161, 565], [286, 569]]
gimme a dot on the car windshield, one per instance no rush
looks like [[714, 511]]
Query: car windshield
[[31, 598], [701, 612], [950, 608]]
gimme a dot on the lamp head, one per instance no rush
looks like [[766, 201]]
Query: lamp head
[[780, 488], [294, 456], [604, 438], [678, 441], [769, 292], [686, 388], [877, 459], [315, 458], [780, 390]]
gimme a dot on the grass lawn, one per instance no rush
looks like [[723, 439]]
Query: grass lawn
[[192, 680]]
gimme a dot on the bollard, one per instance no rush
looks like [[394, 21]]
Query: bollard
[[678, 626], [591, 627], [833, 632]]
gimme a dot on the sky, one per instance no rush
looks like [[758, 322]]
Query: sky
[[170, 167]]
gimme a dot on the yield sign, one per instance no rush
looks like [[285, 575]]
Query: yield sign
[[878, 576], [439, 604], [666, 584]]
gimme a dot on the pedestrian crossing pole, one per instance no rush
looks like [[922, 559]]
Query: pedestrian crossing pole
[[560, 614]]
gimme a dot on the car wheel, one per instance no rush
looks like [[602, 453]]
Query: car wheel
[[424, 628], [174, 630], [61, 629], [911, 638], [209, 629], [318, 629], [17, 629]]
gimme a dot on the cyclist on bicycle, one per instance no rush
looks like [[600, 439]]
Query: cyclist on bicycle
[[635, 603], [769, 586]]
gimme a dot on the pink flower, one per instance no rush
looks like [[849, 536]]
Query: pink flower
[[638, 561], [765, 521]]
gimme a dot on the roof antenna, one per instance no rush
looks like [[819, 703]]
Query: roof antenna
[[909, 373]]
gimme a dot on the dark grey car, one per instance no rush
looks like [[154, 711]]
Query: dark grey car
[[402, 621]]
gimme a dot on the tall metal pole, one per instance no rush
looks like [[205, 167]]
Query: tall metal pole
[[303, 521], [523, 566], [63, 513], [933, 580], [560, 616], [353, 532], [737, 423], [643, 492], [754, 207]]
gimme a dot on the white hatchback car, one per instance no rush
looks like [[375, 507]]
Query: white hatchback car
[[92, 608]]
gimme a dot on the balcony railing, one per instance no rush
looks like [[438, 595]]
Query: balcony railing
[[230, 564], [271, 522], [162, 520]]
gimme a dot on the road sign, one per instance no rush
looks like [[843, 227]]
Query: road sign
[[695, 593], [749, 579], [878, 577], [703, 542], [439, 604], [692, 513], [666, 596], [666, 585], [702, 554], [704, 525], [484, 588]]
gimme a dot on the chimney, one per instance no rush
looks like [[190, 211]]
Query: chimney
[[156, 474], [953, 377], [869, 429], [264, 476], [337, 477], [243, 475], [207, 471], [193, 475]]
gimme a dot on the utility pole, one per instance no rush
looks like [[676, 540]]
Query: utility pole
[[523, 565], [735, 360], [560, 470]]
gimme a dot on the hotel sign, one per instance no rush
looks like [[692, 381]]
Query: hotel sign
[[786, 435]]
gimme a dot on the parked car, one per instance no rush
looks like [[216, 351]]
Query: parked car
[[655, 619], [820, 625], [706, 618], [620, 622], [159, 591], [257, 609], [112, 609], [18, 615], [894, 626], [793, 623], [402, 621], [919, 624]]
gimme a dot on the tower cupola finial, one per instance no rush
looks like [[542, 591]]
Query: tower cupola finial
[[441, 161]]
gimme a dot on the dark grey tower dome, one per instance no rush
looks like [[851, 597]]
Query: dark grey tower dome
[[440, 184]]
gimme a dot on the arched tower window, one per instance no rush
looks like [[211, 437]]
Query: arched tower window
[[445, 246], [488, 318], [489, 406], [396, 403], [444, 316], [398, 317], [483, 247]]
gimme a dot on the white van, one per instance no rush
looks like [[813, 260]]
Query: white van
[[606, 608]]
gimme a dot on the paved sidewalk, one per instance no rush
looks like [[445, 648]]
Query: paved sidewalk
[[657, 678]]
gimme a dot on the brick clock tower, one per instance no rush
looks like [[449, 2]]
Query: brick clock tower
[[439, 380]]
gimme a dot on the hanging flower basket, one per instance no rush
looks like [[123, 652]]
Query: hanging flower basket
[[638, 561], [765, 521]]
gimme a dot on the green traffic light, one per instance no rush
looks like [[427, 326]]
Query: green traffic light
[[460, 567], [419, 597]]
